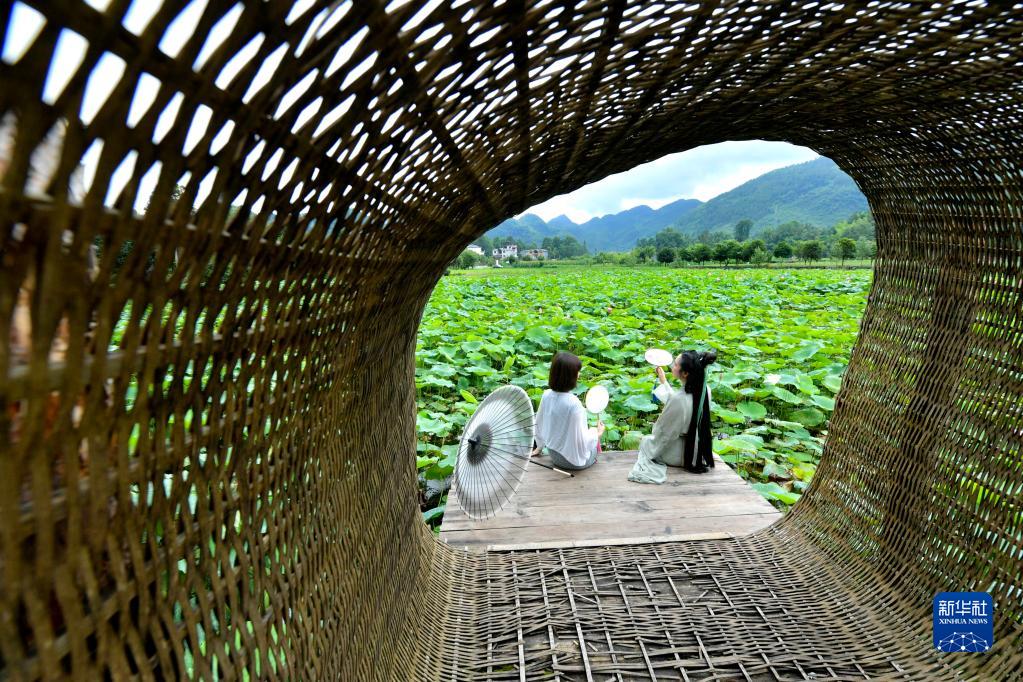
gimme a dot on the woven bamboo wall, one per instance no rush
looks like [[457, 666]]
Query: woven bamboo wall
[[265, 194]]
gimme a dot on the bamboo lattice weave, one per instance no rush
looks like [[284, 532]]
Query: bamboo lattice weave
[[220, 223]]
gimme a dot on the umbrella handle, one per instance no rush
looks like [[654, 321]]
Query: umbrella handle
[[548, 466]]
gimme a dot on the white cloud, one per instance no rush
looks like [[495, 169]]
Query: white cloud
[[704, 191], [701, 173]]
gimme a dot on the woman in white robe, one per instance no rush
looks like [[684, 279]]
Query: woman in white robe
[[560, 427], [667, 444]]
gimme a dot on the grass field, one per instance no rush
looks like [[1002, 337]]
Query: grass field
[[783, 338]]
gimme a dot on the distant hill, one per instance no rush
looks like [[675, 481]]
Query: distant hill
[[562, 222], [619, 231], [527, 228], [613, 232], [815, 192]]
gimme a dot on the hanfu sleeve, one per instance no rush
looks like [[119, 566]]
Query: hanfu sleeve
[[663, 392], [586, 439], [674, 419], [539, 434]]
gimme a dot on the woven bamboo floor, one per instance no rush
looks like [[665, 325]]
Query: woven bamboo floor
[[600, 506], [695, 610]]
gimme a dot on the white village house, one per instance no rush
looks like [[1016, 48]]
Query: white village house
[[535, 254], [510, 251], [478, 250]]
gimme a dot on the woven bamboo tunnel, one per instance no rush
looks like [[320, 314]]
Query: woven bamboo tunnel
[[221, 223]]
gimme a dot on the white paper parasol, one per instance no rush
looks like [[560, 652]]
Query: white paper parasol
[[494, 452]]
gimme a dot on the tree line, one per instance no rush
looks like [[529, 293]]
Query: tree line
[[847, 239], [852, 238]]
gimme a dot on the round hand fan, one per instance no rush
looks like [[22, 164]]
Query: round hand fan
[[658, 357], [596, 399]]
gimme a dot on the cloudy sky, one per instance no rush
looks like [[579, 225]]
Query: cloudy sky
[[700, 173]]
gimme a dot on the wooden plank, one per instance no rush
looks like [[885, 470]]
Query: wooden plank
[[564, 511], [608, 473], [653, 530], [518, 506], [642, 528], [627, 512], [610, 542], [605, 485], [600, 506], [631, 491], [580, 490], [569, 497]]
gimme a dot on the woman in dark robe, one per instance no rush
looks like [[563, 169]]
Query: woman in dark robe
[[681, 435], [697, 455]]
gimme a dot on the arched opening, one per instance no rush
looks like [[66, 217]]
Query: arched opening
[[431, 123], [654, 258]]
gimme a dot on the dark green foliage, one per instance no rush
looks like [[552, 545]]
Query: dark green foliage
[[700, 253], [711, 238], [857, 226], [485, 243], [720, 253], [793, 232], [846, 249], [563, 247], [728, 250], [742, 229], [468, 259], [782, 250], [666, 255], [749, 247], [668, 237], [866, 248], [759, 256], [810, 250]]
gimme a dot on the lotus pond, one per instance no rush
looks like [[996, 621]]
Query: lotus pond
[[783, 339]]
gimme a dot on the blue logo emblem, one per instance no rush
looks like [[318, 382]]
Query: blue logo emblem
[[963, 621]]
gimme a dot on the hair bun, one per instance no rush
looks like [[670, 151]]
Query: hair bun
[[708, 358]]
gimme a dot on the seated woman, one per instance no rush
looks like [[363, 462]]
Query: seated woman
[[561, 419], [679, 439]]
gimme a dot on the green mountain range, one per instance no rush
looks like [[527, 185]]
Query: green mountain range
[[614, 232], [815, 192]]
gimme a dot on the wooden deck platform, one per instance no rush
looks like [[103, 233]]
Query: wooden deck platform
[[600, 506]]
